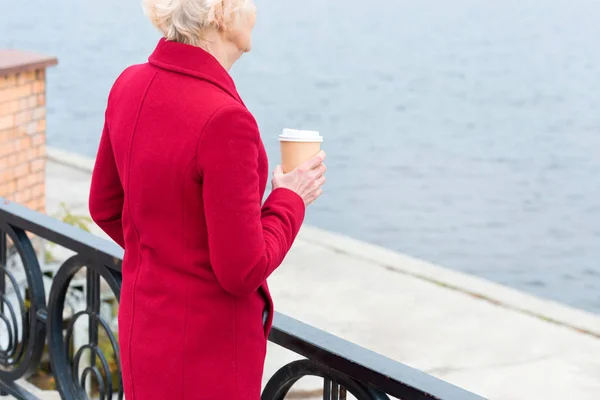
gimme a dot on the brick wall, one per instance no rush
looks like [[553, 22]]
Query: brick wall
[[23, 127]]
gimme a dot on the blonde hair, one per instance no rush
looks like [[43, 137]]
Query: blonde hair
[[184, 20]]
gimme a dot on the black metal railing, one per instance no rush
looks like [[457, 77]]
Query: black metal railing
[[75, 324]]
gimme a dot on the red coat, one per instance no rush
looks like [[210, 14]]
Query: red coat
[[178, 182]]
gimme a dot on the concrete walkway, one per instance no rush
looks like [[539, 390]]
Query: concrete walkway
[[492, 340]]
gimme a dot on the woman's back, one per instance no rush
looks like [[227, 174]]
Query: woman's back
[[155, 119]]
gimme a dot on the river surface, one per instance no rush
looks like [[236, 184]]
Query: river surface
[[463, 132]]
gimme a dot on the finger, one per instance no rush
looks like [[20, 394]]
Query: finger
[[315, 161], [315, 196], [320, 181], [320, 171]]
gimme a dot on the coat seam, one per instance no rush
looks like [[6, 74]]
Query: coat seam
[[183, 353], [235, 348], [137, 273], [185, 318]]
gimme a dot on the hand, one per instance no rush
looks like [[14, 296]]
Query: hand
[[306, 180]]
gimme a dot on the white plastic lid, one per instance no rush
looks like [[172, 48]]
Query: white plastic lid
[[295, 135]]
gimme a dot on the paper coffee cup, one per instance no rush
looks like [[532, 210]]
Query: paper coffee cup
[[298, 146]]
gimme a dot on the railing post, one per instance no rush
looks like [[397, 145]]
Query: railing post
[[326, 389], [93, 306], [3, 259]]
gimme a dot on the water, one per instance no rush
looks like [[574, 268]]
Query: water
[[466, 133]]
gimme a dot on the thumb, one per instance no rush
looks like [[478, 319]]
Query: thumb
[[278, 170]]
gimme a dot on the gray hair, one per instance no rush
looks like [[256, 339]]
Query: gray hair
[[184, 20]]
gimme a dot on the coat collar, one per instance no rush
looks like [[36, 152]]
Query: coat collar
[[193, 61]]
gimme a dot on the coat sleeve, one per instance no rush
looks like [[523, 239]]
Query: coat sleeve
[[106, 192], [247, 242]]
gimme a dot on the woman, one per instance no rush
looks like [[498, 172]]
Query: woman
[[178, 182]]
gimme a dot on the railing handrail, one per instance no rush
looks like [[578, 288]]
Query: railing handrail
[[374, 369], [61, 233], [385, 374]]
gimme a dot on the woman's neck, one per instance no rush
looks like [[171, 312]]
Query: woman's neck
[[225, 51]]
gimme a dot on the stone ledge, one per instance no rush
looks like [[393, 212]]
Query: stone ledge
[[480, 289], [15, 61], [69, 159]]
